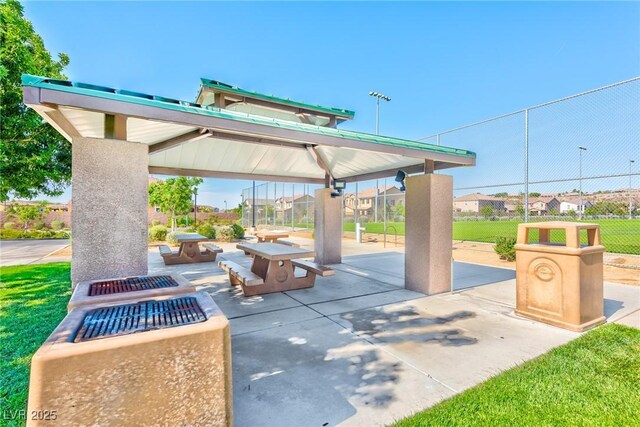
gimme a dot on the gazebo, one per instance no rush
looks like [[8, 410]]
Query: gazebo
[[120, 136]]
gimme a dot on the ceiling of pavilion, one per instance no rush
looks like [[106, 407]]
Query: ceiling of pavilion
[[190, 139]]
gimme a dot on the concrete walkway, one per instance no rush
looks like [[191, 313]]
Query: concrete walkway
[[358, 349], [28, 251]]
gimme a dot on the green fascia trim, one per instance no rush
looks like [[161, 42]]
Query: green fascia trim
[[249, 94], [190, 107]]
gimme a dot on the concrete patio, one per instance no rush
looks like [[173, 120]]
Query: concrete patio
[[359, 349]]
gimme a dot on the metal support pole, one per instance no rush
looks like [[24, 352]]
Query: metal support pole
[[284, 205], [376, 201], [631, 162], [266, 203], [253, 206], [526, 165], [306, 198], [356, 217], [293, 196], [377, 115], [195, 207], [384, 212], [580, 205], [275, 189]]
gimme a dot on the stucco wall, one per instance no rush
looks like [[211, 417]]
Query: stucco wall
[[110, 199]]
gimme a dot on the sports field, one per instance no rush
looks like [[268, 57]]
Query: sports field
[[618, 235]]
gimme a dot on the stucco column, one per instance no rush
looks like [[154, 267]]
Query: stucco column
[[428, 233], [328, 227], [109, 208]]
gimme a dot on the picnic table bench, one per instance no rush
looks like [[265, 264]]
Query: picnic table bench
[[189, 251], [271, 236], [274, 268]]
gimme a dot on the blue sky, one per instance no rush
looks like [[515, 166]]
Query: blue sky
[[443, 64]]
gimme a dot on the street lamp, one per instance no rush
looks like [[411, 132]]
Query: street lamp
[[225, 205], [631, 162], [580, 207], [378, 97]]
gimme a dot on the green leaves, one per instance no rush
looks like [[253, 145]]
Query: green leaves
[[35, 158], [174, 196]]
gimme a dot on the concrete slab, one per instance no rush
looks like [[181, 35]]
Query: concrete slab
[[632, 320], [342, 285], [435, 334], [367, 301], [271, 319], [315, 373], [620, 300]]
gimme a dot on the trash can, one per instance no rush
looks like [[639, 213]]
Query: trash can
[[560, 283], [127, 288], [162, 361]]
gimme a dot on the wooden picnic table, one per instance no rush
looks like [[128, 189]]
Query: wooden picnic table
[[273, 269], [189, 251], [271, 236]]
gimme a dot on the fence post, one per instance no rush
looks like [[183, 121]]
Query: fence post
[[526, 165]]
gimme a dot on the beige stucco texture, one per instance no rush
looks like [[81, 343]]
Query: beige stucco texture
[[174, 376], [328, 227], [109, 213], [560, 284], [428, 233]]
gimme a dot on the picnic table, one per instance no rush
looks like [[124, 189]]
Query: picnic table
[[189, 251], [271, 236], [274, 268]]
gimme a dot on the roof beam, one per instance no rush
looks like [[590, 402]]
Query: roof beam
[[111, 106], [178, 140], [385, 173], [159, 170], [253, 139], [60, 123], [319, 160]]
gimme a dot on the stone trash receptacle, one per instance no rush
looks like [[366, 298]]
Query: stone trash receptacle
[[114, 290], [163, 361], [560, 284]]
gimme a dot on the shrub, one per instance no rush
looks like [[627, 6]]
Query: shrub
[[11, 233], [157, 233], [171, 238], [57, 224], [207, 230], [38, 225], [504, 247], [238, 231], [190, 230], [9, 225], [155, 222], [225, 234]]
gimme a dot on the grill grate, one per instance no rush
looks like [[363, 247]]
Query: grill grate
[[139, 317], [130, 284]]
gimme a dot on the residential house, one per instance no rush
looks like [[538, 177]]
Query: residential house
[[544, 205], [300, 204], [366, 201], [570, 204], [473, 203]]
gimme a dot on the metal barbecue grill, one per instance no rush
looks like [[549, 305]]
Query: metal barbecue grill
[[130, 284], [139, 317]]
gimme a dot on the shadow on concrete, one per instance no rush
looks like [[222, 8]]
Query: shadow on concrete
[[611, 307]]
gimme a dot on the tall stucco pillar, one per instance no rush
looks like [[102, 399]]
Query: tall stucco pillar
[[428, 233], [328, 227], [109, 200]]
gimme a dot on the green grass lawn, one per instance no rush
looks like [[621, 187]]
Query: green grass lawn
[[618, 235], [592, 381], [33, 300]]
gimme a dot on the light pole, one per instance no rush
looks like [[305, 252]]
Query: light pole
[[580, 207], [631, 162], [378, 97], [225, 205]]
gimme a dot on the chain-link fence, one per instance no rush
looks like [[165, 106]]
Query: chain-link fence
[[276, 205], [577, 158]]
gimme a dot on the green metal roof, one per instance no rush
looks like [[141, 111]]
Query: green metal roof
[[190, 107], [224, 87]]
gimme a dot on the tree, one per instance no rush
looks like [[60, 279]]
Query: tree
[[27, 213], [520, 209], [487, 211], [35, 158], [400, 209], [174, 196], [503, 194], [534, 194]]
